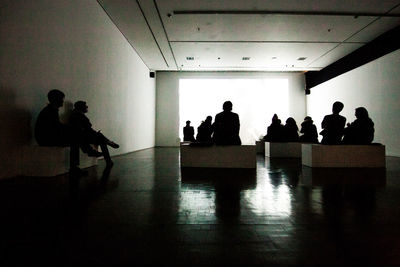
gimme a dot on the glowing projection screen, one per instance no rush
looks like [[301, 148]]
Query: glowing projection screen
[[255, 100]]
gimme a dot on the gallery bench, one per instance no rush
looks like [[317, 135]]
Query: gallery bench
[[218, 156], [50, 161], [343, 156], [260, 147], [283, 150]]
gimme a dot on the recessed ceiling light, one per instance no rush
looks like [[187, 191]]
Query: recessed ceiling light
[[245, 58], [189, 58], [302, 58], [273, 58]]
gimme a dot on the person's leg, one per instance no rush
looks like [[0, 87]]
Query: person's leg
[[101, 138], [106, 154], [98, 138]]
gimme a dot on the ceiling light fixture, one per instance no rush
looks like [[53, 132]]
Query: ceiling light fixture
[[245, 58], [189, 58], [301, 58]]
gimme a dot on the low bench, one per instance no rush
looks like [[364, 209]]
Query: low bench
[[50, 161], [260, 147], [343, 156], [218, 156], [283, 150]]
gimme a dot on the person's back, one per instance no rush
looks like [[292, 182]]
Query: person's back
[[49, 131], [205, 130], [361, 131], [188, 132], [227, 126], [275, 132], [333, 126], [291, 131], [309, 131]]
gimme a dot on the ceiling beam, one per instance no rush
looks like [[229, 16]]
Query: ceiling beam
[[266, 12], [384, 44]]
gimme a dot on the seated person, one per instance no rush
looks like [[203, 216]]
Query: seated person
[[361, 131], [49, 131], [290, 131], [81, 124], [309, 131], [333, 126], [188, 133], [205, 131], [227, 126], [275, 132]]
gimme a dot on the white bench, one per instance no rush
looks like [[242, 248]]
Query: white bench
[[218, 156], [50, 161], [283, 150], [343, 156]]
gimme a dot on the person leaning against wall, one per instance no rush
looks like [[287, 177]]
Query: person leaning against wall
[[49, 131]]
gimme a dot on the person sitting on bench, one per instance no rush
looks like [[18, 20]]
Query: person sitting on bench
[[361, 131], [83, 127], [49, 131], [290, 131], [188, 133], [205, 131], [309, 131], [227, 126], [333, 126], [275, 132]]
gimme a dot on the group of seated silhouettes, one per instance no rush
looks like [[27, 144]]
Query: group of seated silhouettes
[[78, 133], [225, 129], [334, 132]]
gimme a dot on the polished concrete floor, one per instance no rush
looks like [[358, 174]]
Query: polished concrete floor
[[147, 210]]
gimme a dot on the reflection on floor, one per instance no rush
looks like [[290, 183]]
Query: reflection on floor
[[145, 210]]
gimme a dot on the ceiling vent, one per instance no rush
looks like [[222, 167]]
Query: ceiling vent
[[189, 58], [301, 58]]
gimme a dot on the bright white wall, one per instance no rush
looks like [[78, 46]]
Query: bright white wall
[[374, 86], [167, 115], [71, 45]]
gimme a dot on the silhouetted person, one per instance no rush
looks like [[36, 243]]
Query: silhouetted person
[[188, 132], [275, 132], [81, 124], [361, 131], [333, 126], [291, 131], [205, 131], [49, 131], [227, 126], [309, 131]]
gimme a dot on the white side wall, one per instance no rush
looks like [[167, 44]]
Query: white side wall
[[375, 86], [167, 118], [71, 45]]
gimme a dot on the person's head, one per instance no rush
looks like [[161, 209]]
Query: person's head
[[290, 120], [187, 123], [56, 97], [361, 113], [308, 118], [227, 106], [337, 107], [81, 106], [209, 119], [275, 119]]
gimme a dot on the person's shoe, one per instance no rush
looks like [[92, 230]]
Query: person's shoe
[[78, 172], [94, 153], [113, 145]]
